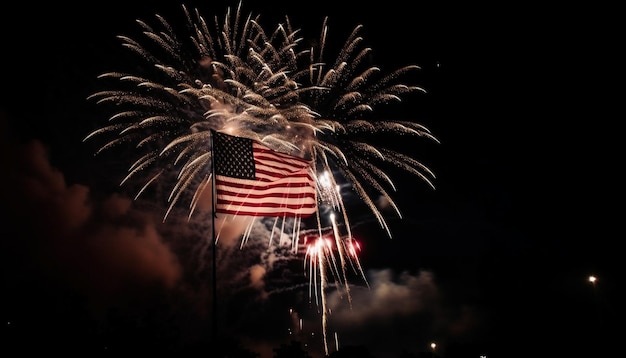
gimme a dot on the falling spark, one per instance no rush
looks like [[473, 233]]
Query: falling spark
[[263, 85], [326, 257]]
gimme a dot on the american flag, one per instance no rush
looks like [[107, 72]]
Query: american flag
[[253, 180]]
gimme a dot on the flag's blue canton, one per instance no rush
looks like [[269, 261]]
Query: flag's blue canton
[[235, 159]]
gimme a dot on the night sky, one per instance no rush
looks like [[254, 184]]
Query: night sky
[[494, 262]]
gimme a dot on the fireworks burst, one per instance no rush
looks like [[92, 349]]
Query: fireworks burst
[[234, 76]]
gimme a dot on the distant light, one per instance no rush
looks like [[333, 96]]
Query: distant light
[[433, 345], [593, 279]]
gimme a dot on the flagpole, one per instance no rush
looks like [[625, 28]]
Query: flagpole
[[213, 243]]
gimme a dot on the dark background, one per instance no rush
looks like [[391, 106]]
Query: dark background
[[523, 98]]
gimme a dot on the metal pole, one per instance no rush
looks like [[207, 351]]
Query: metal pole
[[214, 246]]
